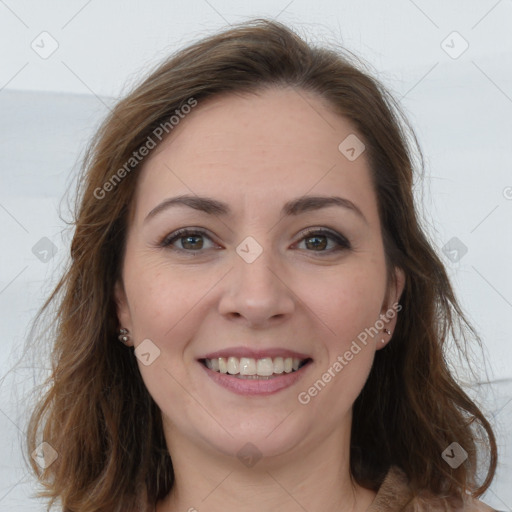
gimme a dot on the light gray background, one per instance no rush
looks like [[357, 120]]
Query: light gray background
[[459, 103]]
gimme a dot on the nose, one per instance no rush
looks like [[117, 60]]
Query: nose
[[257, 293]]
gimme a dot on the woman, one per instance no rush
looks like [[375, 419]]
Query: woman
[[246, 228]]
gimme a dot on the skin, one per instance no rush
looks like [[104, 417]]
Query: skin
[[255, 152]]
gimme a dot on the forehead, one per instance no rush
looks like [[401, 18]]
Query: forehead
[[257, 149]]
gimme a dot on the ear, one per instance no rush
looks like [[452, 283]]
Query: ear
[[389, 312], [123, 311]]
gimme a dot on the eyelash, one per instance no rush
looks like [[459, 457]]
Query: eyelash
[[343, 243]]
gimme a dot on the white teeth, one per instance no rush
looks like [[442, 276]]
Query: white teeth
[[233, 365], [278, 365], [247, 366], [265, 367]]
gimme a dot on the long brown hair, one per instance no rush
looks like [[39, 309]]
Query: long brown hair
[[96, 412]]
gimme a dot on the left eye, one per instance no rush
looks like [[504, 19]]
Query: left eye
[[319, 239]]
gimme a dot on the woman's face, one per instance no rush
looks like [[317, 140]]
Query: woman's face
[[265, 276]]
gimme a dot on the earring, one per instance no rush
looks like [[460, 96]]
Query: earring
[[386, 331], [124, 336]]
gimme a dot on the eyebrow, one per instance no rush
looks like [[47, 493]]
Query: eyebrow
[[294, 207]]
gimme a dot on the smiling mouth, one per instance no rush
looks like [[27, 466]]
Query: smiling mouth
[[250, 368]]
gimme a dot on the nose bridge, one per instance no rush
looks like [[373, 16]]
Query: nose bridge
[[256, 291]]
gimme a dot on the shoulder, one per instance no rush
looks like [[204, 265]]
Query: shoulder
[[430, 503], [482, 507], [436, 504], [479, 506], [395, 494]]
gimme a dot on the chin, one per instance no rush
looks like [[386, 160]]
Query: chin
[[250, 446]]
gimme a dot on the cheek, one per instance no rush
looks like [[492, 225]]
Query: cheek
[[358, 305], [162, 302], [160, 296], [348, 307], [166, 306], [346, 301], [349, 311]]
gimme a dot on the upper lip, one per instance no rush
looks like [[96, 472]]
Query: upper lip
[[255, 354]]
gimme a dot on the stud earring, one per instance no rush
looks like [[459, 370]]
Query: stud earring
[[388, 332], [123, 336]]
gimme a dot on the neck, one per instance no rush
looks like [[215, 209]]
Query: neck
[[314, 477]]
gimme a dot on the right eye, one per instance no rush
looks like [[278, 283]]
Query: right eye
[[190, 239]]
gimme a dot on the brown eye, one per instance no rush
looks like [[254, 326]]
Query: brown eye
[[189, 240], [318, 240]]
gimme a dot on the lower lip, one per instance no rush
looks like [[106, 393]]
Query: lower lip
[[255, 386]]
